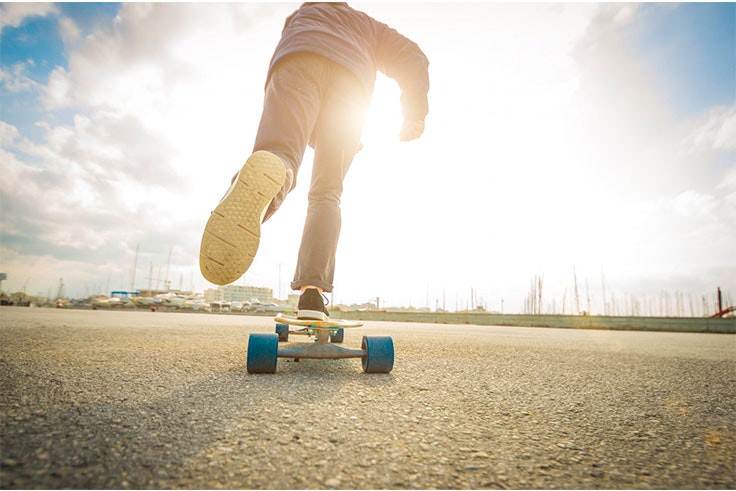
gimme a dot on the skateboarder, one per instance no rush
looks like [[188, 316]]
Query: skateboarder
[[317, 93]]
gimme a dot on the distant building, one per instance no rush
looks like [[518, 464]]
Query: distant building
[[293, 299], [235, 293], [152, 293]]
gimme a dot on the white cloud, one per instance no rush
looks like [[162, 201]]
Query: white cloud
[[728, 182], [57, 92], [692, 204], [8, 134], [69, 31], [13, 14], [717, 131], [16, 79]]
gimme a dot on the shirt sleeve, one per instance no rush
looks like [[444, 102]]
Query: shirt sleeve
[[401, 59]]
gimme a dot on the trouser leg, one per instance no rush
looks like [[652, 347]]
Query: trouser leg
[[290, 110], [336, 139]]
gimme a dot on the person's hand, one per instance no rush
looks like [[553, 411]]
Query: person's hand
[[411, 130]]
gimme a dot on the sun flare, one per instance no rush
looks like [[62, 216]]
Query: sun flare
[[384, 119]]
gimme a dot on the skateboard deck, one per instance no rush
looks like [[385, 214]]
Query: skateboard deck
[[316, 324]]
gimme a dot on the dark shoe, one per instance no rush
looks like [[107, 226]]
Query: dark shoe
[[312, 306], [233, 231]]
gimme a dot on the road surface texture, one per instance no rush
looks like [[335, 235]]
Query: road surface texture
[[110, 399]]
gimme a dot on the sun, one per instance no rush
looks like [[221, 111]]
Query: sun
[[384, 119]]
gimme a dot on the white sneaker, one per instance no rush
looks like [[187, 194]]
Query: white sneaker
[[233, 231]]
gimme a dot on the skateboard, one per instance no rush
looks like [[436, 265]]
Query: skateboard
[[376, 352]]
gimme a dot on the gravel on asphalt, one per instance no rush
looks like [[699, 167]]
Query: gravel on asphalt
[[112, 399]]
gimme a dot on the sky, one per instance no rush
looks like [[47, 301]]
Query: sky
[[589, 143]]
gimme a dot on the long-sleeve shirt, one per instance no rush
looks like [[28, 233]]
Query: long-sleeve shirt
[[362, 45]]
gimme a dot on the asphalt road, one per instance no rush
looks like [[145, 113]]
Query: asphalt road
[[103, 399]]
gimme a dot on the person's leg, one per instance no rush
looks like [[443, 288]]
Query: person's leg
[[290, 109], [232, 234], [336, 139]]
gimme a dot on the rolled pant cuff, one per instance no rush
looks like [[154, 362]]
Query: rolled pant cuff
[[326, 287]]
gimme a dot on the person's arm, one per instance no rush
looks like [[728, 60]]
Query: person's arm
[[411, 129], [401, 59]]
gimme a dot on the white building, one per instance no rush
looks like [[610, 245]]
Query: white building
[[231, 293]]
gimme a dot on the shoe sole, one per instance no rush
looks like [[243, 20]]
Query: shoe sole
[[312, 315], [233, 231]]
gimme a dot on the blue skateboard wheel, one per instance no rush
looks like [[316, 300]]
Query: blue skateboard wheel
[[337, 336], [262, 353], [379, 354], [283, 331]]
